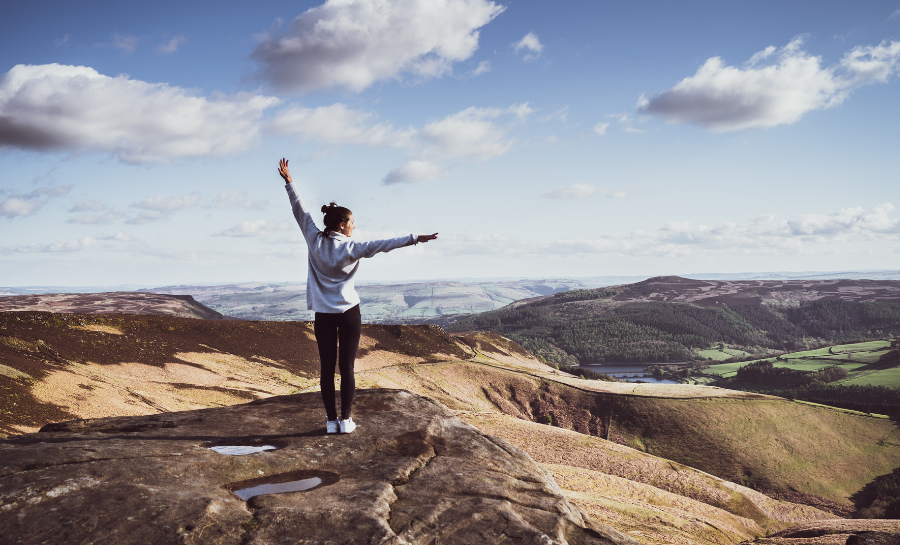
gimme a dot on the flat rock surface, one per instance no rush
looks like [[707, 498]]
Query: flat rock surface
[[411, 473]]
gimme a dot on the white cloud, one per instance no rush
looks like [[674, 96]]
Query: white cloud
[[763, 235], [414, 171], [172, 45], [97, 219], [72, 245], [337, 124], [483, 68], [471, 133], [75, 108], [166, 204], [574, 191], [254, 228], [14, 206], [531, 44], [159, 207], [118, 237], [600, 128], [618, 195], [725, 98], [26, 204], [65, 40], [87, 206], [354, 43], [238, 200], [894, 14], [127, 44]]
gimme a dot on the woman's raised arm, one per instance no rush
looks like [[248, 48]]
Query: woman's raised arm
[[301, 213]]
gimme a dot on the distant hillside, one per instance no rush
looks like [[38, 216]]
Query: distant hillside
[[414, 303], [670, 319], [119, 302]]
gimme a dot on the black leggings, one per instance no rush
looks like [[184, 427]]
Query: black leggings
[[330, 328]]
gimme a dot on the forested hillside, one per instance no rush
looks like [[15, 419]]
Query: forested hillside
[[670, 319]]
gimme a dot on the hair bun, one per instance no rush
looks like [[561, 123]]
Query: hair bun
[[324, 209]]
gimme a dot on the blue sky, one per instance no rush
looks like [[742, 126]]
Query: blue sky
[[139, 142]]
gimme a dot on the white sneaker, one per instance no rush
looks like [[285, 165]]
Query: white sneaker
[[331, 426], [348, 425]]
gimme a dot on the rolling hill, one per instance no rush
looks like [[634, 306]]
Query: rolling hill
[[662, 463], [414, 303], [672, 319]]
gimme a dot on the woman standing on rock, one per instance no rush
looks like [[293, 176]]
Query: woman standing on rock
[[333, 262]]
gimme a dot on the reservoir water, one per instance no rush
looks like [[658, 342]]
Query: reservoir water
[[630, 372]]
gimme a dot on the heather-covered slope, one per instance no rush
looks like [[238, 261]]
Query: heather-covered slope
[[117, 302], [670, 319]]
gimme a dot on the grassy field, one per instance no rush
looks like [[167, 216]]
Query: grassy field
[[855, 358], [884, 377], [723, 354]]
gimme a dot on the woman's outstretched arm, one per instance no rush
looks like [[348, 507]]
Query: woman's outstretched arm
[[301, 213]]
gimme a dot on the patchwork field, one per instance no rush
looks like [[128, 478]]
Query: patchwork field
[[859, 359]]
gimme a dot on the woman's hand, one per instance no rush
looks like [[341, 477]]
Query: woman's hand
[[283, 170], [426, 238]]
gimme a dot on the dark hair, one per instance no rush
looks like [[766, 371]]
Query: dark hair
[[334, 216]]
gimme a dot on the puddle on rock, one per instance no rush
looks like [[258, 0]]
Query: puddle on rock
[[294, 481], [241, 450]]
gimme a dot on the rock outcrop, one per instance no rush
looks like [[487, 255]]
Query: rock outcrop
[[411, 473]]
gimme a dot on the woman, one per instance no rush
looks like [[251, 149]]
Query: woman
[[333, 262]]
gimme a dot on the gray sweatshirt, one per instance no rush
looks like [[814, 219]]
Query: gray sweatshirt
[[334, 260]]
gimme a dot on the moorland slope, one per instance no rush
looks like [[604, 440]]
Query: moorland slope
[[621, 451], [673, 319], [116, 302]]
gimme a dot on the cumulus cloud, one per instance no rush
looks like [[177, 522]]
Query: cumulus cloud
[[471, 133], [354, 43], [72, 245], [54, 107], [238, 200], [574, 191], [600, 128], [26, 204], [254, 228], [159, 207], [338, 125], [172, 45], [476, 134], [531, 45], [414, 171], [775, 87]]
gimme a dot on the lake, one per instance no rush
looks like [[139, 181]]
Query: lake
[[628, 371]]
